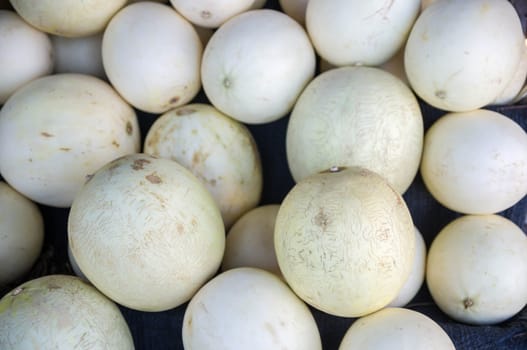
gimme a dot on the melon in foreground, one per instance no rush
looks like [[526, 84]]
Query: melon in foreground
[[61, 312], [146, 232], [345, 241], [396, 328], [248, 308]]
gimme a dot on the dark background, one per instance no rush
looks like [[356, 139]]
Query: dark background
[[162, 330]]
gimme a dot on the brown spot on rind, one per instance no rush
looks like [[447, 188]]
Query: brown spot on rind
[[185, 111], [321, 219], [46, 134], [88, 178], [180, 228], [205, 14], [139, 164], [65, 149], [53, 286], [173, 100], [116, 144], [153, 178], [199, 157], [467, 303], [441, 94], [129, 128]]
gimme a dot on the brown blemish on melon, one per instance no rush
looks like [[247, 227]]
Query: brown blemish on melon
[[65, 149], [440, 94], [53, 286], [467, 303], [199, 157], [129, 128], [185, 111], [153, 178], [88, 178], [180, 228], [46, 134], [321, 219], [227, 82], [139, 164]]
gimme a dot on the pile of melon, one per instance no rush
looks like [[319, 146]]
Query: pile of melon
[[251, 174]]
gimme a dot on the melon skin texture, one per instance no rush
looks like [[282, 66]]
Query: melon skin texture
[[356, 116], [477, 268], [27, 53], [152, 55], [460, 55], [396, 328], [146, 232], [58, 129], [256, 64], [355, 32], [68, 18], [475, 162], [21, 234], [345, 241], [248, 308], [61, 312], [219, 150]]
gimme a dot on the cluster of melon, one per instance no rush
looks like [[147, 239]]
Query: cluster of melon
[[171, 215]]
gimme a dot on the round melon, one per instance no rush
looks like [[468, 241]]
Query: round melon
[[146, 232], [345, 241]]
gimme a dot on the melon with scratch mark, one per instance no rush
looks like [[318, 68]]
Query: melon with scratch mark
[[146, 232], [345, 241]]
